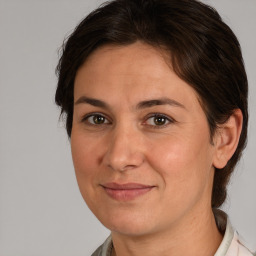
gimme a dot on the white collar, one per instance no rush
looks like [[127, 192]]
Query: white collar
[[227, 239]]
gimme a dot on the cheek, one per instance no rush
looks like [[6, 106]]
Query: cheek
[[84, 159], [185, 179], [184, 163], [85, 150], [85, 164], [172, 156]]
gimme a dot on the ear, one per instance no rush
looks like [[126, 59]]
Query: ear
[[226, 139]]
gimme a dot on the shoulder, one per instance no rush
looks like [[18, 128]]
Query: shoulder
[[98, 252], [231, 244], [237, 248], [104, 249], [243, 251]]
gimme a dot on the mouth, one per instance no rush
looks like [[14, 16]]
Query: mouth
[[127, 191]]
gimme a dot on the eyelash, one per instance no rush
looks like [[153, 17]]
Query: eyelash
[[91, 115], [167, 119]]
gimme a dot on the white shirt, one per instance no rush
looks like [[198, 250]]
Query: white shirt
[[230, 245]]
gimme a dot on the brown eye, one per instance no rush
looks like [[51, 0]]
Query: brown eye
[[96, 119], [160, 120]]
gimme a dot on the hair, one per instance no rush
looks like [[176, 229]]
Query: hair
[[203, 51]]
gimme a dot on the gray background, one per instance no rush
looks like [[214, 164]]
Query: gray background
[[41, 210]]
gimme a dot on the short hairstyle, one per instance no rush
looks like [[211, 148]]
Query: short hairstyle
[[203, 51]]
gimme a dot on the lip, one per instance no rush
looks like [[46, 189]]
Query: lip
[[127, 191]]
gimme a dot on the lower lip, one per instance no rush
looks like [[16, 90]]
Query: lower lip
[[126, 194]]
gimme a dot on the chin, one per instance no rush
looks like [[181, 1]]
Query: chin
[[130, 229], [130, 224]]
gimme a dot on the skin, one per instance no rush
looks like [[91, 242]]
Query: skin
[[175, 156]]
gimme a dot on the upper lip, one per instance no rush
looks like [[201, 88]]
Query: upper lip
[[125, 186]]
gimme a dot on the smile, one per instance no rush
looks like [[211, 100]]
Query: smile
[[126, 192]]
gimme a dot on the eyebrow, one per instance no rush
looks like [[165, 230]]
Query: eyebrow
[[140, 105], [161, 101], [91, 101]]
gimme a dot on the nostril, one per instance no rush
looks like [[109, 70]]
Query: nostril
[[127, 167], [125, 164], [121, 153]]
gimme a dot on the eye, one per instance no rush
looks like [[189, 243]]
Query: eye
[[158, 120], [95, 119]]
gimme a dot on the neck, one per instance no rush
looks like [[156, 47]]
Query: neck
[[197, 235]]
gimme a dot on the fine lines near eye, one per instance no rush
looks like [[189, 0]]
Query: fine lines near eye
[[158, 121], [95, 119]]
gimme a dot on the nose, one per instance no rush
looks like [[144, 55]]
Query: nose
[[124, 151]]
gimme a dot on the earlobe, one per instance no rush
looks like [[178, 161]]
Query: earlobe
[[226, 139]]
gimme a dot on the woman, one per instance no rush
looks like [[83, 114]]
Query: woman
[[155, 97]]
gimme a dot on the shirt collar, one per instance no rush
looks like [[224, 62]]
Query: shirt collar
[[107, 247], [225, 227]]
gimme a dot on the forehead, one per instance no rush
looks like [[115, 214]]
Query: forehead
[[136, 72], [128, 58]]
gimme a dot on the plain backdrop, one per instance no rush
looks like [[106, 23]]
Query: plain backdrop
[[41, 209]]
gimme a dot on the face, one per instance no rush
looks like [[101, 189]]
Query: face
[[140, 141]]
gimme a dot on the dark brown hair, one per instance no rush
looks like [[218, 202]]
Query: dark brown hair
[[203, 51]]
